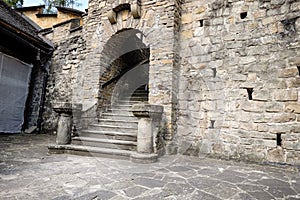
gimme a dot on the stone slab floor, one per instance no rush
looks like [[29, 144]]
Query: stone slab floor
[[27, 171]]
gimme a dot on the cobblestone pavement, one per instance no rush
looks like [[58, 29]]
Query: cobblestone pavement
[[28, 172]]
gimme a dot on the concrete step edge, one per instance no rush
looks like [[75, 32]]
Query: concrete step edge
[[110, 141], [116, 114], [92, 149], [108, 133], [120, 121], [111, 126]]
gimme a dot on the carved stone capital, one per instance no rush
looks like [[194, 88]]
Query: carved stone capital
[[135, 11], [133, 7], [112, 17], [66, 107], [147, 111]]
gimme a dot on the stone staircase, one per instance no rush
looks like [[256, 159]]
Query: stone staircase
[[115, 133]]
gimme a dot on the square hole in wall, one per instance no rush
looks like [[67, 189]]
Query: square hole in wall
[[250, 92], [243, 15], [201, 23], [278, 139]]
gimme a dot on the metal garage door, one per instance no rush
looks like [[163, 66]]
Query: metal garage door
[[14, 86]]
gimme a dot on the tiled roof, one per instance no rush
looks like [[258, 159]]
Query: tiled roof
[[71, 10], [14, 21]]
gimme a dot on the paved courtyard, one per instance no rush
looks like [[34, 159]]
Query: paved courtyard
[[27, 171]]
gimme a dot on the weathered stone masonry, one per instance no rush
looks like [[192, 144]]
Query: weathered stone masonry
[[226, 72], [230, 48], [65, 74]]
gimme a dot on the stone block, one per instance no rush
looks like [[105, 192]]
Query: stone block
[[253, 106], [261, 95], [277, 2], [187, 34], [294, 60], [200, 10], [293, 83], [295, 6], [248, 126], [274, 107], [279, 128], [276, 155], [268, 20], [293, 107], [187, 18], [291, 145], [286, 95], [296, 128], [293, 157], [262, 128], [239, 77], [247, 60], [284, 117], [199, 32], [287, 73], [259, 118]]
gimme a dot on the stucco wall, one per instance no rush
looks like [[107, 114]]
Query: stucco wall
[[47, 21]]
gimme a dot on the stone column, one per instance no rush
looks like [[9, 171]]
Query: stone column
[[77, 112], [147, 115], [64, 128], [65, 122], [145, 135]]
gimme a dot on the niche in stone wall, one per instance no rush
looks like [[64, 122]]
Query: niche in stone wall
[[289, 28]]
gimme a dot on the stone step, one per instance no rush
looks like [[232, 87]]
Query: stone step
[[133, 123], [136, 98], [128, 136], [112, 128], [120, 111], [122, 107], [127, 102], [139, 93], [117, 116], [90, 151], [105, 143]]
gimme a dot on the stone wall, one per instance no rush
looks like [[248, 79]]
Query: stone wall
[[34, 97], [65, 72], [239, 81], [158, 22], [226, 72]]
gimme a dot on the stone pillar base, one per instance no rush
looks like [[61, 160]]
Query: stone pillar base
[[143, 158], [65, 120], [64, 128]]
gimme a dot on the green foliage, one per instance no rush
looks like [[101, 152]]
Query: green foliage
[[50, 4], [14, 3]]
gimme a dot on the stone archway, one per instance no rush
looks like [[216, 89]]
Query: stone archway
[[124, 66]]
